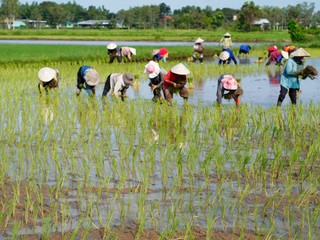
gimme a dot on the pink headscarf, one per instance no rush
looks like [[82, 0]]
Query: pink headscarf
[[229, 82]]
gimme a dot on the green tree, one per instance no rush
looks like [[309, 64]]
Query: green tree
[[53, 13], [249, 12], [295, 32], [9, 11]]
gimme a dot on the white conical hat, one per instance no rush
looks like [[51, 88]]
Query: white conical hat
[[180, 69], [224, 55], [199, 40], [300, 53], [133, 51], [155, 51], [92, 77], [46, 74], [227, 34], [285, 54], [112, 46]]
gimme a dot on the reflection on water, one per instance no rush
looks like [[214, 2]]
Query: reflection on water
[[244, 60], [274, 74]]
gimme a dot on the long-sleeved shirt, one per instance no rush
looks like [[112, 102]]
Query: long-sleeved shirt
[[125, 51], [115, 85], [273, 56], [226, 42], [244, 49], [289, 78], [231, 57], [172, 77]]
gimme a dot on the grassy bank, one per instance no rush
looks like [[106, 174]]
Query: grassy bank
[[24, 54], [142, 35]]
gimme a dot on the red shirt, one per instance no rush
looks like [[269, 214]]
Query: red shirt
[[172, 77]]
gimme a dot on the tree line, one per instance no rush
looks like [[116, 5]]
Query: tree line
[[161, 16]]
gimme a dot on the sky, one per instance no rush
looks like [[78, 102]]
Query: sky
[[115, 5]]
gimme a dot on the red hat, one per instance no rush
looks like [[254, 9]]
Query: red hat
[[163, 52], [272, 48]]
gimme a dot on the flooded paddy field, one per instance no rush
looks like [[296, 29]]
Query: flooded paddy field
[[80, 167]]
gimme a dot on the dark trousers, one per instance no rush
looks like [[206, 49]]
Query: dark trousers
[[292, 94], [107, 87]]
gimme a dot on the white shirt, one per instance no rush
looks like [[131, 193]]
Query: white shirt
[[116, 84]]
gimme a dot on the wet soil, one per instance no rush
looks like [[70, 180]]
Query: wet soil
[[129, 231]]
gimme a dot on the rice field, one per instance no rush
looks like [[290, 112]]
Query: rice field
[[81, 167]]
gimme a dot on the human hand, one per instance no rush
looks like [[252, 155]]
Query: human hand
[[153, 87]]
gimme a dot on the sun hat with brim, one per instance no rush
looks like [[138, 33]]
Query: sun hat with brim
[[128, 78], [92, 77], [152, 69], [227, 35], [46, 74], [133, 51], [155, 51], [285, 54], [224, 55], [199, 40], [300, 53], [180, 69], [229, 82], [112, 46]]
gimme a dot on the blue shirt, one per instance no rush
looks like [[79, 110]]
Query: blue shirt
[[231, 57], [245, 48], [84, 68], [288, 77]]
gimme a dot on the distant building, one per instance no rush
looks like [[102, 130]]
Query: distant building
[[100, 23], [263, 23], [94, 23], [18, 24]]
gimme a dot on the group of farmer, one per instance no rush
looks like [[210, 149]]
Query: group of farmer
[[167, 83], [161, 81], [292, 59]]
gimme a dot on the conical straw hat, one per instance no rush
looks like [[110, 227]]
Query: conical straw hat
[[224, 55], [180, 69], [92, 77], [46, 74], [285, 54], [112, 46], [199, 40], [300, 53]]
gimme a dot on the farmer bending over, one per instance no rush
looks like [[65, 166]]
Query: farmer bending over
[[228, 83], [118, 83], [156, 77], [88, 79], [49, 78], [175, 81]]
